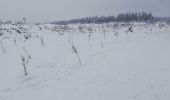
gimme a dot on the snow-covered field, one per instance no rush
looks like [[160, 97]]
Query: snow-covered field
[[85, 62]]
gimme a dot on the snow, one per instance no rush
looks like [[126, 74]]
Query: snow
[[116, 64]]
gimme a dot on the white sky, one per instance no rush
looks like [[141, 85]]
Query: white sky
[[54, 10]]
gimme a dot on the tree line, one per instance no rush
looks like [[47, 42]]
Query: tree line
[[122, 17]]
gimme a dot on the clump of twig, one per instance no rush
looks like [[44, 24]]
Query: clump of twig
[[15, 42], [18, 31], [61, 33], [70, 40], [74, 49], [116, 34], [27, 36], [104, 35]]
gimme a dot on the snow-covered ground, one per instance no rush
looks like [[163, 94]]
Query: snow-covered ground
[[115, 64]]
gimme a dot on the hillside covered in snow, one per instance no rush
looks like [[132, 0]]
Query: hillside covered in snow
[[113, 61]]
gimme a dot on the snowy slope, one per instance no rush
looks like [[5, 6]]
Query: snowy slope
[[116, 64]]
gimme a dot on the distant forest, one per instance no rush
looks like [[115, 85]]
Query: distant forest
[[123, 17]]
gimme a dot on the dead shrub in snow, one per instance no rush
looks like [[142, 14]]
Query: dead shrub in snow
[[101, 43], [104, 32], [27, 36], [25, 60], [74, 49], [24, 64], [42, 41], [2, 47], [129, 30], [1, 33]]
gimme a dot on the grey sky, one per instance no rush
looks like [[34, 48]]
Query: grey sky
[[51, 10]]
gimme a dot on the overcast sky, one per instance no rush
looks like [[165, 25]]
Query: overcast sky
[[54, 10]]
